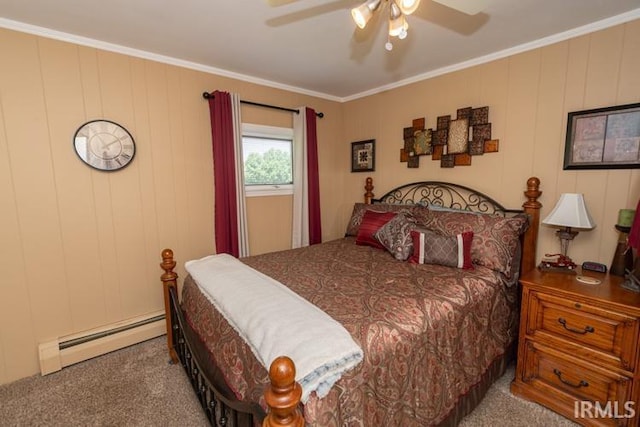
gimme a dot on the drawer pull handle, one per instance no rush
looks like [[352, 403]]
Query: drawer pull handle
[[582, 383], [575, 331]]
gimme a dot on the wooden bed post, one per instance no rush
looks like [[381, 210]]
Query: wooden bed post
[[368, 186], [532, 208], [283, 395], [169, 279]]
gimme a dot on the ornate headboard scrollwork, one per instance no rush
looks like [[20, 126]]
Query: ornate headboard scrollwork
[[446, 195], [456, 196]]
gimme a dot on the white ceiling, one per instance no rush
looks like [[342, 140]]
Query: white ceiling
[[312, 46]]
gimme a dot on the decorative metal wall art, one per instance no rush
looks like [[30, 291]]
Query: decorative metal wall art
[[453, 142]]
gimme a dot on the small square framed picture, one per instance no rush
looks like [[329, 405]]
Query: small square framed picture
[[363, 156]]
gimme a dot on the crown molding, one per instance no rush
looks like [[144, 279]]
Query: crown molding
[[579, 31], [111, 47]]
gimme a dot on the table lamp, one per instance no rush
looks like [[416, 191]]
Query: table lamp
[[570, 212], [632, 278]]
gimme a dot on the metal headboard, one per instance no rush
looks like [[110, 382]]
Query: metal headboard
[[447, 195]]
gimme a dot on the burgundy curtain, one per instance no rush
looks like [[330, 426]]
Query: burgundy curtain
[[634, 233], [315, 229], [224, 173]]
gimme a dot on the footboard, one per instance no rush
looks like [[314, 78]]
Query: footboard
[[218, 401]]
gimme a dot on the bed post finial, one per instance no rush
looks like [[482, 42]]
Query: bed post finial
[[532, 208], [533, 191], [283, 395], [169, 279], [368, 186]]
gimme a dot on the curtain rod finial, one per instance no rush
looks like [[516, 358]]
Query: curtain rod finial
[[206, 95]]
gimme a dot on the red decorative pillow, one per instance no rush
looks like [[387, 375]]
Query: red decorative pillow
[[432, 248], [360, 208], [371, 223]]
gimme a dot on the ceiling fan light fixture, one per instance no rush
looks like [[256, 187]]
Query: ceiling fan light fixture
[[398, 25], [394, 10], [408, 6], [363, 13], [398, 11]]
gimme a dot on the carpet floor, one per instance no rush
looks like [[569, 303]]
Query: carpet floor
[[136, 386]]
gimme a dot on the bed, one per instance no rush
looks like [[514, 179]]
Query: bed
[[437, 328]]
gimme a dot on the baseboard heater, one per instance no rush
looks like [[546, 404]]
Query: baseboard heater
[[68, 350]]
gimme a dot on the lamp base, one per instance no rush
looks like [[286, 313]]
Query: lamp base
[[565, 235]]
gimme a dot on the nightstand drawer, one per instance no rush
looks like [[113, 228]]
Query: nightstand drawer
[[584, 330], [568, 380]]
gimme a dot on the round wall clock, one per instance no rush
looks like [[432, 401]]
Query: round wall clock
[[104, 145]]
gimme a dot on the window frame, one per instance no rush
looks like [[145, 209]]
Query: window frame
[[272, 132]]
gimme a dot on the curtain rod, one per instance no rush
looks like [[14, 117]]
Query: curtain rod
[[207, 95]]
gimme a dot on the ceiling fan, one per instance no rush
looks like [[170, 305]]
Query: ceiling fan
[[398, 11]]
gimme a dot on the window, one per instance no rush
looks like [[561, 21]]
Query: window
[[267, 154]]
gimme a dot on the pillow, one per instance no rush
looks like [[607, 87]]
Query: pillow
[[433, 248], [447, 209], [395, 235], [360, 208], [371, 222], [495, 238]]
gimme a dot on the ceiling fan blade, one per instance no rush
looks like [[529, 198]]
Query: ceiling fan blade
[[276, 3], [309, 12], [449, 18], [470, 7]]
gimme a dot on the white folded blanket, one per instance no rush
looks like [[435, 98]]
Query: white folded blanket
[[275, 321]]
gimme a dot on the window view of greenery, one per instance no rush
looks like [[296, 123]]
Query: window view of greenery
[[267, 161]]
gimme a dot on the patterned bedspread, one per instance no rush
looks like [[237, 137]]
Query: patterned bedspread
[[428, 332]]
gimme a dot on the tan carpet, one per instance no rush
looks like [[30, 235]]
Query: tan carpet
[[501, 408], [137, 387]]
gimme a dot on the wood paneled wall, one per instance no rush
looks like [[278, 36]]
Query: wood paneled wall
[[79, 248], [529, 96]]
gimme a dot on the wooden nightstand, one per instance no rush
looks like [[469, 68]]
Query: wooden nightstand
[[578, 350]]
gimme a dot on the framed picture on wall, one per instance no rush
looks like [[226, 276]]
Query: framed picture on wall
[[363, 156], [603, 138]]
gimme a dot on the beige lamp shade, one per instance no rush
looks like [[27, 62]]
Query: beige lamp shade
[[570, 211]]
